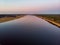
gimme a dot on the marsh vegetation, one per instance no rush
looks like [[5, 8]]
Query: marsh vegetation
[[4, 18], [54, 19]]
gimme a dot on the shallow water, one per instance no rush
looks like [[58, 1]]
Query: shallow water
[[29, 30]]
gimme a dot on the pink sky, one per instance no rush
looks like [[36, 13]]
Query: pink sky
[[26, 6]]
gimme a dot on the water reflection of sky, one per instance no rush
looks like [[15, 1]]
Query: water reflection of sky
[[32, 28]]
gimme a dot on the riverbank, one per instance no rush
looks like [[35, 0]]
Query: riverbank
[[8, 18], [53, 22], [50, 21]]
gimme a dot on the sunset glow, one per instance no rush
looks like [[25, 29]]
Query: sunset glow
[[26, 6]]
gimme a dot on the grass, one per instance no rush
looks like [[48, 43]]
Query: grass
[[55, 19], [8, 18]]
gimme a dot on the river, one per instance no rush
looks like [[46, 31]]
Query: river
[[29, 30]]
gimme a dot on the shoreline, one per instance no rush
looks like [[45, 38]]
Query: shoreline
[[5, 19], [52, 22]]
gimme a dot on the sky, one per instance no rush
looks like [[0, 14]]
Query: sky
[[30, 6]]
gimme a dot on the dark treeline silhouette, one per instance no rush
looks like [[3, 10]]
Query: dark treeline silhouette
[[14, 15], [10, 15], [7, 16]]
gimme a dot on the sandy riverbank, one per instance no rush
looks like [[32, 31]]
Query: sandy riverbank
[[52, 22], [4, 19]]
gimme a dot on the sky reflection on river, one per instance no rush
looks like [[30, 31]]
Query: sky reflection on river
[[29, 30]]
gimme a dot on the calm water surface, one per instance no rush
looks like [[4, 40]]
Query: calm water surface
[[29, 30]]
